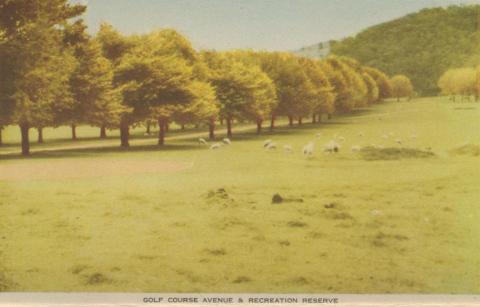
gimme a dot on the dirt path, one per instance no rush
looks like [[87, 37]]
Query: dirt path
[[66, 169]]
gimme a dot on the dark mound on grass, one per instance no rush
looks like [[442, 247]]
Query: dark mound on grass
[[393, 153], [5, 284], [466, 150]]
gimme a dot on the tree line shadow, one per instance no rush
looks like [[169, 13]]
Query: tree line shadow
[[173, 145]]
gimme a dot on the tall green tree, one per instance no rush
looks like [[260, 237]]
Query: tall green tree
[[383, 82], [36, 66], [243, 90], [294, 88], [322, 96], [151, 81], [95, 101], [204, 108], [401, 87]]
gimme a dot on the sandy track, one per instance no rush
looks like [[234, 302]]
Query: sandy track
[[80, 168]]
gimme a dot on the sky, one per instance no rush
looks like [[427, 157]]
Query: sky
[[258, 24]]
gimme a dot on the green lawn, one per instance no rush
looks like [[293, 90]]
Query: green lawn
[[188, 219]]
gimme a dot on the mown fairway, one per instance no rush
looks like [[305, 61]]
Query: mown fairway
[[187, 219]]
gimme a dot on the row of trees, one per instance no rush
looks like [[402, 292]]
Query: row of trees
[[464, 82], [54, 73]]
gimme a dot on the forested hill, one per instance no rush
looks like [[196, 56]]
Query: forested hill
[[421, 45]]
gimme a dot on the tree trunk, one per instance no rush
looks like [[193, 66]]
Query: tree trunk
[[148, 127], [259, 126], [314, 118], [1, 141], [272, 123], [74, 132], [162, 124], [221, 121], [330, 116], [40, 135], [103, 132], [299, 121], [183, 127], [211, 129], [290, 121], [319, 118], [25, 141], [398, 99], [167, 126], [124, 134], [229, 127]]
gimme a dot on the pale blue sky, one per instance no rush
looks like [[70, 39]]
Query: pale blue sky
[[257, 24]]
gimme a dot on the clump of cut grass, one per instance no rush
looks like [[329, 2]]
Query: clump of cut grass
[[466, 150], [5, 284], [392, 153], [241, 280], [216, 252], [96, 279], [219, 196], [296, 224]]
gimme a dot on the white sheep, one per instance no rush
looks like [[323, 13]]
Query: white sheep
[[308, 149], [202, 141], [216, 146], [288, 148], [331, 147], [356, 148], [271, 146], [318, 135], [385, 136], [413, 136], [267, 142], [376, 212], [227, 141], [341, 139]]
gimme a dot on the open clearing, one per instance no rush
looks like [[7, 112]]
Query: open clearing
[[398, 219]]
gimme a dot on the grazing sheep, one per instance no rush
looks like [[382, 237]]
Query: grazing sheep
[[271, 146], [391, 134], [227, 141], [216, 146], [413, 136], [376, 212], [288, 148], [331, 147], [202, 141], [385, 136], [318, 135], [267, 142], [356, 148], [308, 149], [341, 139]]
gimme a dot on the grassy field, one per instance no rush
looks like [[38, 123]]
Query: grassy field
[[189, 219]]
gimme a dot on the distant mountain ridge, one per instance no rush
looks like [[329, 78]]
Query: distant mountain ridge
[[317, 51], [420, 45]]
